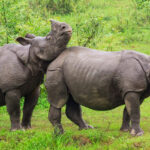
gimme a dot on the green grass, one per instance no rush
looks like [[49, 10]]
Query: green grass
[[106, 134], [121, 24], [99, 24]]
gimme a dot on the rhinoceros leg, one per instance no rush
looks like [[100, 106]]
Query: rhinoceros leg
[[29, 104], [132, 102], [12, 99], [57, 97], [55, 118], [74, 113], [2, 99], [126, 121]]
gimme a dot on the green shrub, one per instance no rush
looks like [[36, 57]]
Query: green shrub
[[143, 4], [88, 30], [55, 6]]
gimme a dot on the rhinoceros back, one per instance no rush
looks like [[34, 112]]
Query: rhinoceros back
[[88, 75], [12, 72]]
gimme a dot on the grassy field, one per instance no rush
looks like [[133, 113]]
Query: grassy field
[[100, 24], [105, 136]]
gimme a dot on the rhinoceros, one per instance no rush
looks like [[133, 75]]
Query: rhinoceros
[[98, 80], [22, 69]]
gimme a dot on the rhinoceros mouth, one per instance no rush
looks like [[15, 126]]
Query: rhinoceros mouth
[[69, 32]]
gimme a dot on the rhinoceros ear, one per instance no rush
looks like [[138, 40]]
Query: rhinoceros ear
[[52, 21], [30, 36], [53, 24], [24, 41]]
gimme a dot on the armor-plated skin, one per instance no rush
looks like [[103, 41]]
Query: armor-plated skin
[[22, 70], [98, 80]]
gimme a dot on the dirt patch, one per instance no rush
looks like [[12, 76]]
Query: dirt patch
[[138, 144], [2, 138], [81, 139], [69, 124], [109, 142], [145, 118]]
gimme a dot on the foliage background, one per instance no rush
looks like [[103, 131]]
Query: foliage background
[[99, 24]]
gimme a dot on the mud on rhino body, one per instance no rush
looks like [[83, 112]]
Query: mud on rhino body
[[98, 80], [22, 69]]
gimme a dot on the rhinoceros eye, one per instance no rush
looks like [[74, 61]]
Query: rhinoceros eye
[[63, 27]]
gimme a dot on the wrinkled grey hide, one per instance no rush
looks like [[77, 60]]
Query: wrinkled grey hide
[[22, 69], [100, 81]]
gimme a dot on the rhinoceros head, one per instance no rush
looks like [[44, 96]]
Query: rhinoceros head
[[49, 47]]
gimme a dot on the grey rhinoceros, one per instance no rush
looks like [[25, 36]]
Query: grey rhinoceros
[[22, 69], [98, 80]]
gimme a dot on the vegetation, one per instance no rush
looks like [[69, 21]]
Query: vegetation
[[101, 24]]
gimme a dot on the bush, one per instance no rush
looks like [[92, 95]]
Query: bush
[[88, 30], [55, 6], [143, 4]]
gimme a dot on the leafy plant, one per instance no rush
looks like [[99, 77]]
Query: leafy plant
[[55, 6], [142, 4], [3, 18], [88, 30]]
